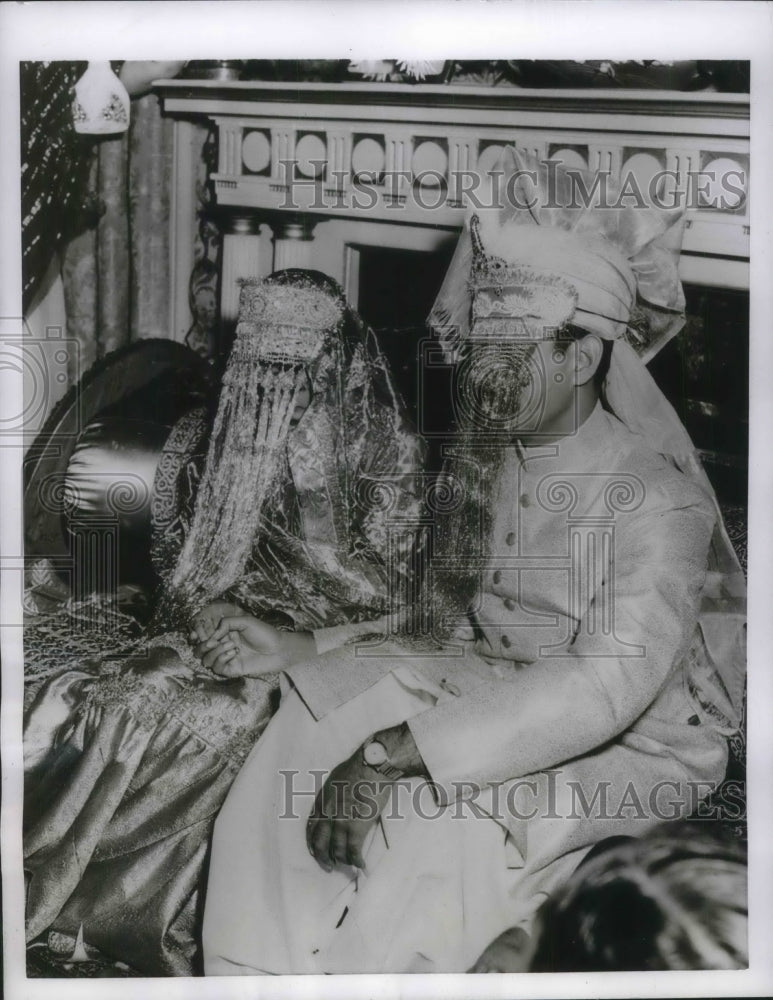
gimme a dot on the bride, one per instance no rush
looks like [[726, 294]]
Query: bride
[[129, 756]]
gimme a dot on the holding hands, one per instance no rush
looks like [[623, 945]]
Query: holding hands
[[208, 619], [234, 644]]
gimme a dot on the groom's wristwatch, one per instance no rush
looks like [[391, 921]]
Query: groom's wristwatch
[[375, 755]]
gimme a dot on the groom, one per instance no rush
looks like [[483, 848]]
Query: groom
[[598, 668]]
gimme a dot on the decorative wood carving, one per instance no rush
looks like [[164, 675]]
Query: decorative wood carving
[[360, 155]]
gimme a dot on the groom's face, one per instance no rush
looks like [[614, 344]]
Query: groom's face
[[520, 385], [555, 362]]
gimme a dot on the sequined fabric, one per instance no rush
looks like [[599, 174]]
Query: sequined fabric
[[326, 540]]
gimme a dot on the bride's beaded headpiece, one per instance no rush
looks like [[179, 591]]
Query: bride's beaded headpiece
[[284, 324]]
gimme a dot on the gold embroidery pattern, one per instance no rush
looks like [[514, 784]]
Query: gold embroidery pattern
[[165, 506], [186, 693]]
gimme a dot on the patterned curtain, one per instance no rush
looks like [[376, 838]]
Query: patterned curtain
[[204, 281], [116, 275]]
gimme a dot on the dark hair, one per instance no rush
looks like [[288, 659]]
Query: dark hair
[[673, 899], [570, 332]]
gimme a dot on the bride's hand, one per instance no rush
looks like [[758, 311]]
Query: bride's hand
[[207, 620], [244, 646]]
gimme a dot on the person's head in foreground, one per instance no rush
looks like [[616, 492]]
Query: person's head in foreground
[[674, 899]]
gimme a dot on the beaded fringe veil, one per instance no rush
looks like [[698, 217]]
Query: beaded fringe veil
[[245, 454], [295, 332]]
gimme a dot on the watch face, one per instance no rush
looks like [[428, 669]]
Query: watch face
[[374, 753]]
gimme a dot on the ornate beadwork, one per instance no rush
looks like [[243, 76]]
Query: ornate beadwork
[[117, 690], [165, 508], [503, 291], [284, 322], [177, 642], [292, 319], [155, 690]]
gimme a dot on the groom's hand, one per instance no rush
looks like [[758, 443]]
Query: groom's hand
[[346, 809], [354, 796]]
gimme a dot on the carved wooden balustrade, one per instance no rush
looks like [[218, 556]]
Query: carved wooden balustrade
[[309, 174]]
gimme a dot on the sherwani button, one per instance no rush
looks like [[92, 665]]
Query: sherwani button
[[510, 538], [505, 642], [497, 577], [510, 605], [525, 500]]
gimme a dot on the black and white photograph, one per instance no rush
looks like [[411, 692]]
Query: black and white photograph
[[382, 443]]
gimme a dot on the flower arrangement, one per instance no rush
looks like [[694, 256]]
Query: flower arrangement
[[398, 70], [647, 74], [642, 74]]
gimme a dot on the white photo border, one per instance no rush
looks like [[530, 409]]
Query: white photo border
[[432, 29]]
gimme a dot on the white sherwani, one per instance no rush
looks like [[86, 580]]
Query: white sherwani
[[565, 718]]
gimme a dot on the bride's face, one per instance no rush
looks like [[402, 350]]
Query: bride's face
[[302, 400]]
